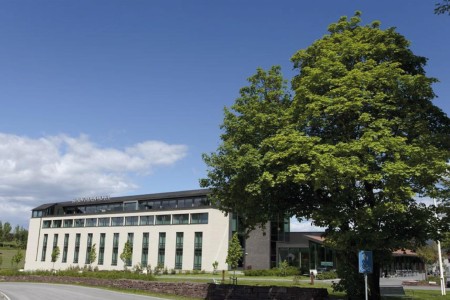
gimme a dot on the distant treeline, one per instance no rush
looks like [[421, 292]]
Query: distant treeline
[[10, 237]]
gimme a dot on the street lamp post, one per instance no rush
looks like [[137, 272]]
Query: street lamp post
[[441, 272]]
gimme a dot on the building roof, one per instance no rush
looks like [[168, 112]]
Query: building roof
[[404, 252], [44, 206], [315, 238]]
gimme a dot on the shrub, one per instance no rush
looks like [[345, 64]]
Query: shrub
[[327, 275], [287, 271], [74, 272]]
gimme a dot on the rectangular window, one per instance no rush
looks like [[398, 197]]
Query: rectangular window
[[79, 222], [37, 213], [46, 224], [88, 249], [130, 206], [147, 220], [144, 257], [56, 223], [161, 249], [198, 242], [184, 203], [131, 221], [55, 241], [179, 251], [163, 220], [201, 218], [103, 222], [68, 223], [180, 219], [44, 247], [115, 249], [65, 248], [101, 249], [91, 222], [76, 253], [117, 221]]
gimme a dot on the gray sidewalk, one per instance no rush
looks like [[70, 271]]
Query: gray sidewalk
[[400, 280]]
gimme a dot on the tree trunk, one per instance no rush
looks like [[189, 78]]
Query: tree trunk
[[374, 282]]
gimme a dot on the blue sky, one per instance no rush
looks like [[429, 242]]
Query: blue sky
[[123, 97]]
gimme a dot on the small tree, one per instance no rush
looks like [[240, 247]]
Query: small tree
[[126, 254], [55, 255], [284, 265], [17, 258], [234, 253], [92, 254], [215, 264]]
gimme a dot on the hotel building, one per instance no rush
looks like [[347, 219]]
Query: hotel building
[[176, 230]]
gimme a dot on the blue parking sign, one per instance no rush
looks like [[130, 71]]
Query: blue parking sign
[[365, 262]]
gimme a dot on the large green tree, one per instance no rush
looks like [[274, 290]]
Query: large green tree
[[6, 232], [353, 147], [442, 7]]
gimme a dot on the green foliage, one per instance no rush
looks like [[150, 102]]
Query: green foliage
[[75, 272], [93, 254], [428, 254], [234, 252], [6, 232], [7, 255], [215, 264], [17, 258], [283, 267], [127, 254], [442, 7], [287, 271], [18, 238], [55, 254], [158, 269], [327, 275], [353, 147]]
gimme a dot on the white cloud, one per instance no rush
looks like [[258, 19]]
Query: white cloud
[[303, 226], [60, 168]]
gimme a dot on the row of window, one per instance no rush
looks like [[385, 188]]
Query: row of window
[[141, 205], [175, 219], [91, 252]]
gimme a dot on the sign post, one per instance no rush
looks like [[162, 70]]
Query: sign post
[[365, 266]]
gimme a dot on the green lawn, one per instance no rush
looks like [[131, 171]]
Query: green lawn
[[6, 255]]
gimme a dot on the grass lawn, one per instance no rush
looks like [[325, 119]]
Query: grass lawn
[[289, 282], [6, 255], [425, 294]]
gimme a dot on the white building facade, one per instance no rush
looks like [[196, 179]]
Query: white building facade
[[176, 230]]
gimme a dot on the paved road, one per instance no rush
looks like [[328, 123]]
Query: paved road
[[44, 291]]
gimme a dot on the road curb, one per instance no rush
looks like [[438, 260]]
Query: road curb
[[3, 296]]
